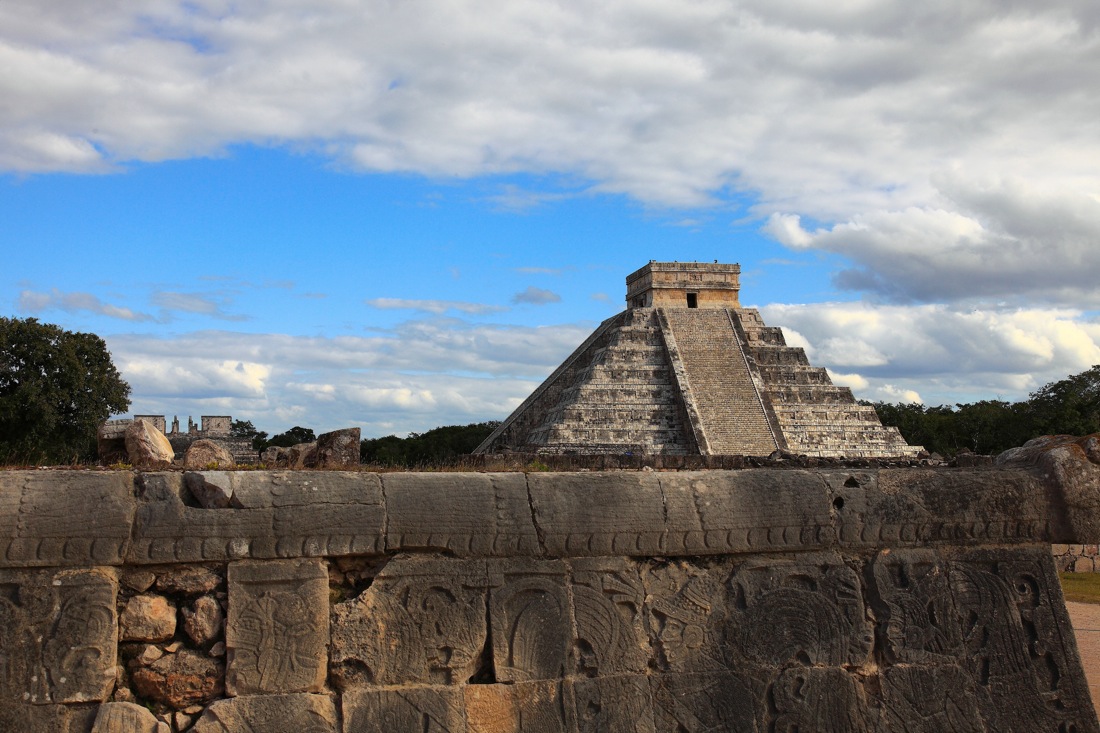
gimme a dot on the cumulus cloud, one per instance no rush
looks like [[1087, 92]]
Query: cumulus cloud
[[31, 301], [536, 296], [438, 307], [938, 353], [882, 123], [414, 377]]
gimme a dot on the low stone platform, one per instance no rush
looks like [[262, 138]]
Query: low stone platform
[[762, 599]]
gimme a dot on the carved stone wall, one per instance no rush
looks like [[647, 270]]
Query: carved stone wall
[[754, 600]]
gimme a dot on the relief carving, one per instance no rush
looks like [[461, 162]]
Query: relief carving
[[530, 622], [711, 701], [420, 709], [420, 621], [608, 600], [686, 613], [277, 630], [613, 705]]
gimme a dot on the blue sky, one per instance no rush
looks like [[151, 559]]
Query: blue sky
[[400, 217]]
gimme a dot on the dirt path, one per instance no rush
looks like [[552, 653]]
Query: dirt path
[[1085, 618]]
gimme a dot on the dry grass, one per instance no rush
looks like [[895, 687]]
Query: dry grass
[[1081, 587]]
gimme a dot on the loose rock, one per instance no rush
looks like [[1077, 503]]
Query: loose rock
[[203, 621], [188, 580], [181, 680], [204, 452], [338, 449], [146, 446], [148, 618]]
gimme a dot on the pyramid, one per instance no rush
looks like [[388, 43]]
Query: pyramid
[[686, 370]]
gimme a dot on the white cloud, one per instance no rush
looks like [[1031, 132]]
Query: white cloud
[[439, 307], [882, 122], [31, 301], [536, 296], [939, 353], [415, 377]]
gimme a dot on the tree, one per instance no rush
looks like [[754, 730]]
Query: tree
[[432, 448], [56, 389], [294, 436]]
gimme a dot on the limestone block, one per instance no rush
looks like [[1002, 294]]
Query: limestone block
[[188, 580], [295, 713], [271, 514], [338, 449], [126, 717], [530, 617], [469, 514], [58, 635], [994, 614], [417, 708], [147, 446], [181, 679], [623, 704], [715, 701], [598, 513], [278, 627], [805, 697], [147, 617], [203, 452], [525, 707], [609, 630], [422, 620], [687, 617], [64, 518], [20, 717]]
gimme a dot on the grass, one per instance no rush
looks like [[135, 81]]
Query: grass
[[1081, 587]]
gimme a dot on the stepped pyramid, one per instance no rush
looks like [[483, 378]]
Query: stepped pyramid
[[686, 370]]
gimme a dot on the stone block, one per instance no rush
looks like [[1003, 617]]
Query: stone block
[[295, 713], [711, 701], [147, 446], [270, 514], [525, 707], [278, 627], [622, 704], [422, 620], [20, 718], [64, 518], [181, 679], [468, 514], [147, 617], [58, 635], [413, 708], [530, 617], [609, 630]]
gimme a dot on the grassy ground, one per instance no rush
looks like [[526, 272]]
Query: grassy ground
[[1081, 587]]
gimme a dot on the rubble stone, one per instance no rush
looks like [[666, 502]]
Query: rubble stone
[[180, 680], [203, 453], [203, 620], [125, 717], [148, 618], [338, 449], [146, 446]]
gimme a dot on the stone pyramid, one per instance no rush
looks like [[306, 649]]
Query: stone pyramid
[[686, 370]]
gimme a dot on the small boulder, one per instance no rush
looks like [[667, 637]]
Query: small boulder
[[146, 446], [338, 449], [147, 618], [303, 455], [181, 680], [202, 453], [111, 441], [188, 580], [126, 717], [203, 620]]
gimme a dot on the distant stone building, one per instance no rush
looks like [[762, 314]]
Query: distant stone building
[[686, 370], [211, 427]]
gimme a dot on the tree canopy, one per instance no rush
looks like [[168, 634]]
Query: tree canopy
[[431, 448], [294, 436], [1068, 406], [56, 389]]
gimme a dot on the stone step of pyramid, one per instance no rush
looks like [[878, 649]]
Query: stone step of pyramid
[[732, 416]]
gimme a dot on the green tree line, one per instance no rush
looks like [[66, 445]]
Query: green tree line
[[1069, 406], [430, 448]]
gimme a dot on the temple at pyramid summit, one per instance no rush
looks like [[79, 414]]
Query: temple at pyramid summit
[[686, 370]]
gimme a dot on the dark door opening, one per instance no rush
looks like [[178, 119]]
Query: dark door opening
[[693, 300]]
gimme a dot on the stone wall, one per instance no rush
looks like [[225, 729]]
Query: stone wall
[[765, 599]]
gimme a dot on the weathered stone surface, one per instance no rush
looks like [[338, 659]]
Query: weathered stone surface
[[623, 703], [147, 618], [125, 717], [338, 449], [58, 635], [414, 708], [422, 620], [146, 446], [278, 627], [718, 701], [204, 453], [529, 613], [480, 515], [203, 620], [188, 580], [276, 514], [610, 636], [180, 680], [525, 707], [1071, 467], [111, 441], [64, 518], [297, 713], [303, 455], [46, 718]]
